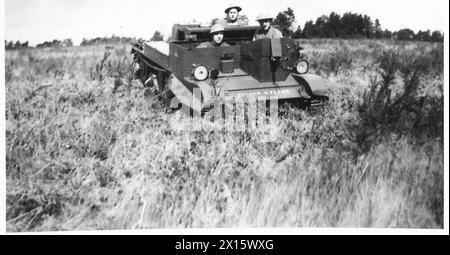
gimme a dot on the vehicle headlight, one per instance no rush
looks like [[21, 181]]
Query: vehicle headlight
[[200, 72], [302, 66]]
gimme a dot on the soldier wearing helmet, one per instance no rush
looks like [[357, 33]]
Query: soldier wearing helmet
[[233, 18], [266, 30], [216, 34]]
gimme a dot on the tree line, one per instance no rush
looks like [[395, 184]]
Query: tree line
[[11, 45], [105, 40], [349, 25], [15, 45]]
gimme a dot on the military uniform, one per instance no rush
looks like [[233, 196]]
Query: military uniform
[[241, 20], [270, 33], [212, 45]]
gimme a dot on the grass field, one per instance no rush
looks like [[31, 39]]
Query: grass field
[[88, 148]]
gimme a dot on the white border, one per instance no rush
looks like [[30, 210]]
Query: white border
[[2, 124], [232, 231], [446, 122], [250, 231]]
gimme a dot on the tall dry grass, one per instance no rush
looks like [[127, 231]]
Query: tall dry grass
[[88, 148]]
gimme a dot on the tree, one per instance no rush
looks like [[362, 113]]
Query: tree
[[298, 33], [386, 34], [319, 29], [405, 34], [55, 43], [157, 36], [348, 24], [84, 42], [308, 30], [437, 37], [367, 28], [17, 45], [377, 29], [67, 42], [284, 21], [10, 45], [334, 26], [423, 36]]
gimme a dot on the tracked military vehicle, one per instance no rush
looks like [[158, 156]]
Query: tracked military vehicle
[[261, 68]]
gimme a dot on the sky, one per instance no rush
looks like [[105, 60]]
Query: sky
[[43, 20]]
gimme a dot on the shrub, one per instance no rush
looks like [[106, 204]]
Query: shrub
[[97, 73], [394, 102], [120, 67]]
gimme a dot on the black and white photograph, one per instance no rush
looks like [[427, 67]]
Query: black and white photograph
[[262, 116]]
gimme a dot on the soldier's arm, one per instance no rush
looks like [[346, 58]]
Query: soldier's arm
[[255, 35], [221, 21], [202, 45], [278, 34], [243, 20]]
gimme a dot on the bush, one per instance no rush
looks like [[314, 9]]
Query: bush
[[395, 102], [157, 36]]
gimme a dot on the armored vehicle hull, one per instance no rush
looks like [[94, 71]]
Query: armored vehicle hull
[[196, 77]]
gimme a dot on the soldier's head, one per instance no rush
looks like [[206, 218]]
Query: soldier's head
[[265, 20], [232, 12], [216, 33]]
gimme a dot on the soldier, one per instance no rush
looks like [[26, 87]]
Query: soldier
[[216, 34], [266, 30], [233, 17]]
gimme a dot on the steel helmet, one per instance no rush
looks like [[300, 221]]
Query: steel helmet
[[231, 6], [264, 16], [216, 28]]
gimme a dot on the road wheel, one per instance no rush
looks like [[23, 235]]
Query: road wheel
[[165, 94], [141, 71]]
